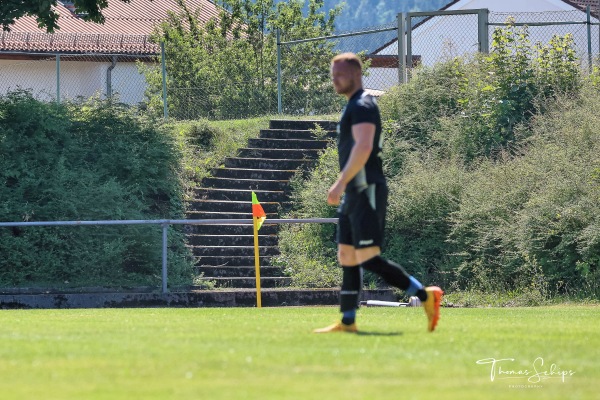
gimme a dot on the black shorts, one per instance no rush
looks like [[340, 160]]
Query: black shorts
[[362, 217]]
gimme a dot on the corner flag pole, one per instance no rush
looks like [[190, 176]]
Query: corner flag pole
[[256, 262], [258, 217]]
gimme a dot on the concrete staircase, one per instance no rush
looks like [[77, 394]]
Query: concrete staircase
[[225, 254]]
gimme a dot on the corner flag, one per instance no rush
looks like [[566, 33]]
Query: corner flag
[[257, 211], [258, 217]]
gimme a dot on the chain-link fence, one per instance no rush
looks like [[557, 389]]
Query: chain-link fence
[[542, 26], [75, 76], [433, 37], [63, 66], [304, 95], [441, 36], [129, 68], [235, 99]]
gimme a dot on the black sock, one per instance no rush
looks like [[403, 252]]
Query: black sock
[[396, 276], [351, 285], [421, 294], [391, 272]]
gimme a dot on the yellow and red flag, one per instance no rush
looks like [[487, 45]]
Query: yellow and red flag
[[257, 211], [258, 217]]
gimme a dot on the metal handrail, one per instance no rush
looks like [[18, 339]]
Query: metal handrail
[[165, 225]]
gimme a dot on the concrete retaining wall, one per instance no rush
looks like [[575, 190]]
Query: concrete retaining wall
[[200, 298]]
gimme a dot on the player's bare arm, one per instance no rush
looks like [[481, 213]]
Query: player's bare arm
[[363, 135]]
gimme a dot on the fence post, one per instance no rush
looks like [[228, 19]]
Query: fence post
[[482, 22], [401, 49], [165, 227], [58, 78], [589, 37], [279, 107], [164, 81], [409, 56]]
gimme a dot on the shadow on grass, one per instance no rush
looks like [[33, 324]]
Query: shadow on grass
[[363, 333]]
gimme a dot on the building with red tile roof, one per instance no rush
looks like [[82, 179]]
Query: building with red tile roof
[[593, 4], [126, 29], [83, 59]]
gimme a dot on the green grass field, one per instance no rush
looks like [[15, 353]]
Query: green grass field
[[270, 353]]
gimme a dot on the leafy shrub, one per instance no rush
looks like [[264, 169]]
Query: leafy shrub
[[412, 111], [204, 144], [420, 203], [90, 161], [471, 108], [537, 211], [308, 251], [494, 174]]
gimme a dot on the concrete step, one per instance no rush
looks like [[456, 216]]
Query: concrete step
[[294, 134], [267, 163], [247, 184], [233, 251], [239, 195], [259, 174], [266, 229], [230, 261], [279, 154], [239, 272], [225, 253], [222, 215], [231, 240], [233, 206], [302, 124], [286, 143], [240, 282]]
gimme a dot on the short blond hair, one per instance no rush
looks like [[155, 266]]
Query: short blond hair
[[349, 58]]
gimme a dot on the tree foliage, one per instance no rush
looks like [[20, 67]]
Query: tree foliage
[[227, 67], [357, 13]]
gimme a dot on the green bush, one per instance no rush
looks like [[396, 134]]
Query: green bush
[[308, 251], [204, 144], [420, 203], [225, 67], [471, 108], [413, 111], [494, 175], [540, 210], [90, 161]]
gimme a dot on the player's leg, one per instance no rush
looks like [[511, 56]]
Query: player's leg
[[368, 222], [392, 273], [351, 280]]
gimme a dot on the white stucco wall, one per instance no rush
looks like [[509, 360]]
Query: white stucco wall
[[77, 78]]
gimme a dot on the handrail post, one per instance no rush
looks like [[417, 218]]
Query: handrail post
[[165, 228]]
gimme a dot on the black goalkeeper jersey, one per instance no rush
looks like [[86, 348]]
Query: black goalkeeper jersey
[[361, 108]]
